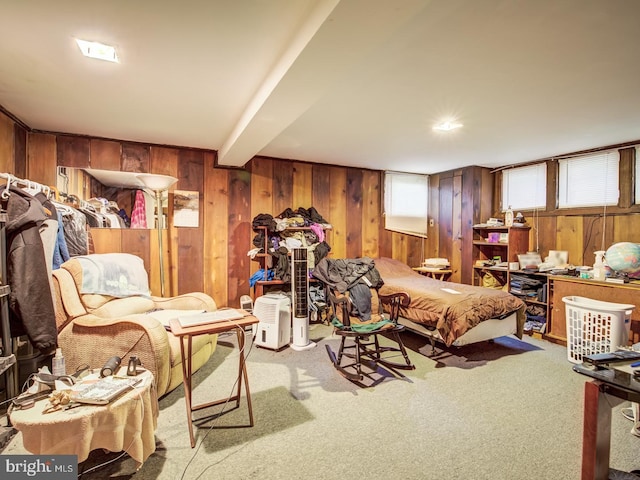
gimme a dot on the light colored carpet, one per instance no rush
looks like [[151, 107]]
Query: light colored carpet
[[504, 410]]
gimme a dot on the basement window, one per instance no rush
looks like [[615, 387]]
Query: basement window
[[589, 180], [525, 188], [406, 200]]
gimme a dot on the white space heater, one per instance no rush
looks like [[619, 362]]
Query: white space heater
[[273, 329], [246, 303], [300, 300]]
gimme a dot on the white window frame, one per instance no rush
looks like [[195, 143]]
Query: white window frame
[[406, 203], [525, 188], [589, 180]]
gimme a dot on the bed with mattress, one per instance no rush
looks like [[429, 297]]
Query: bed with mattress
[[453, 313]]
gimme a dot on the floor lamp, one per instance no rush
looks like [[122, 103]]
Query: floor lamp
[[158, 183]]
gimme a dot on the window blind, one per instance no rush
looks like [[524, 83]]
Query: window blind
[[525, 188], [406, 203], [590, 180]]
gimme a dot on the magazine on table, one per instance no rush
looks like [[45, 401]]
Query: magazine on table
[[105, 390]]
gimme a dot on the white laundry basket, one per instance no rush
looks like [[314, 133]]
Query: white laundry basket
[[594, 326]]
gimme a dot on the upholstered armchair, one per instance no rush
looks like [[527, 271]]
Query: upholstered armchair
[[103, 308]]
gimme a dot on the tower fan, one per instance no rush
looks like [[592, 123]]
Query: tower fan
[[300, 300]]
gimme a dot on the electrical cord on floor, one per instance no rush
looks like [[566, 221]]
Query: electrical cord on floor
[[224, 405]]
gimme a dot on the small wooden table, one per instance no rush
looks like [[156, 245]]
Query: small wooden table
[[434, 272], [186, 334]]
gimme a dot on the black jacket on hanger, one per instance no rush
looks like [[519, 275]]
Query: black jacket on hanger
[[31, 310]]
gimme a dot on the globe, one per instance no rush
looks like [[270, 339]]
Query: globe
[[624, 257]]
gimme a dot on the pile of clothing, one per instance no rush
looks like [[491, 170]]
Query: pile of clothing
[[301, 228]]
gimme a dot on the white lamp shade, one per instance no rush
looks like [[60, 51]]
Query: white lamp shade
[[157, 182]]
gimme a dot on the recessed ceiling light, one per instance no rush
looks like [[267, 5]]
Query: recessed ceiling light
[[447, 126], [98, 50]]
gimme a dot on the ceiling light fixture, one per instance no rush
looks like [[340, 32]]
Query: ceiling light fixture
[[447, 126], [97, 50]]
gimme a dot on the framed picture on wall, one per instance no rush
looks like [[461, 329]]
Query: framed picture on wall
[[185, 208]]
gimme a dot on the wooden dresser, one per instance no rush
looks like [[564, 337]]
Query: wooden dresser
[[563, 286]]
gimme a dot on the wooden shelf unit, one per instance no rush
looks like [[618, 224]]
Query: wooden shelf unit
[[531, 301], [264, 260], [517, 243]]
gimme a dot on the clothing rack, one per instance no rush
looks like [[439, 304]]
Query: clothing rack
[[8, 360], [19, 182], [75, 201], [8, 363]]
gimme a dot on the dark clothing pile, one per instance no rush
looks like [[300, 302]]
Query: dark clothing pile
[[309, 216], [263, 220], [356, 276]]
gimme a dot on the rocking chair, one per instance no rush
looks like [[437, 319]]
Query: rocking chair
[[359, 341]]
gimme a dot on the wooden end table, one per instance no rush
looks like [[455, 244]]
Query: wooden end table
[[434, 272]]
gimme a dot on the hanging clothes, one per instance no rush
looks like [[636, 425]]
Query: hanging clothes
[[74, 225], [139, 213], [93, 219], [31, 310], [48, 234], [60, 252], [48, 229], [115, 221]]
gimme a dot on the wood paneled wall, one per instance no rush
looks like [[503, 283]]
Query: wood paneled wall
[[583, 231], [582, 235], [213, 257], [459, 199]]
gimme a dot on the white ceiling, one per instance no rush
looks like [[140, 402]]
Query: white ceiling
[[349, 82]]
